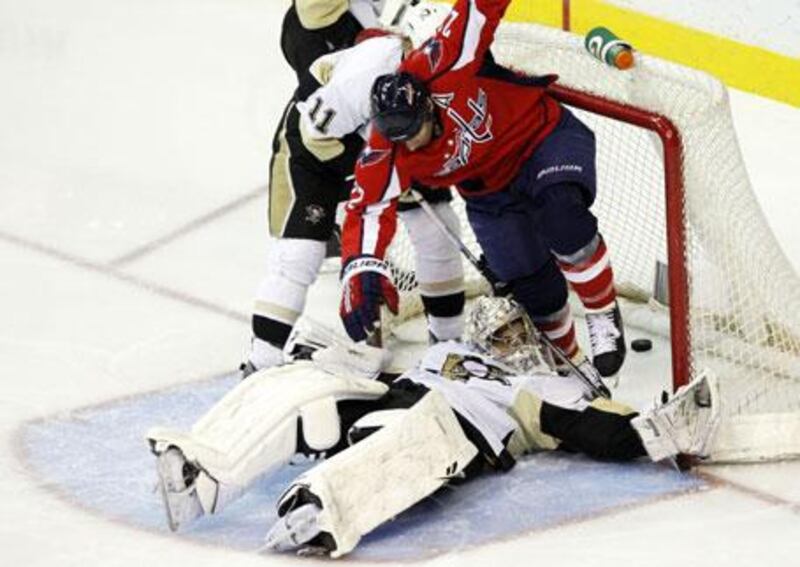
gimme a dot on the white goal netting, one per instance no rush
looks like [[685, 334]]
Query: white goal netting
[[742, 313]]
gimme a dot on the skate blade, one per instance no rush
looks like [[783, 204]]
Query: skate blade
[[172, 522], [293, 531], [181, 506]]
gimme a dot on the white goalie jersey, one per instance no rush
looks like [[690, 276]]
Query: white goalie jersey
[[485, 392]]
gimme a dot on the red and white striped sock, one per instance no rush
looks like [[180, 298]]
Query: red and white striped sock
[[591, 276], [560, 328]]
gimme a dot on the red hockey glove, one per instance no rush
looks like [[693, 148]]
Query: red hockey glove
[[366, 283]]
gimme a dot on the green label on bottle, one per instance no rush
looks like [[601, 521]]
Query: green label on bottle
[[604, 44]]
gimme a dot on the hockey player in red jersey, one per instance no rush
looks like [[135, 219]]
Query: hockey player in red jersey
[[314, 152], [523, 163]]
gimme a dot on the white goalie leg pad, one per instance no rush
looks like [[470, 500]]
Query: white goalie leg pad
[[371, 423], [253, 430], [685, 424], [292, 266], [371, 482]]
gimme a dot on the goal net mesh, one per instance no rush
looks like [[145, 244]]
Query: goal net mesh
[[742, 314]]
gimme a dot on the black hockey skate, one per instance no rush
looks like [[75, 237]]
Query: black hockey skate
[[608, 340]]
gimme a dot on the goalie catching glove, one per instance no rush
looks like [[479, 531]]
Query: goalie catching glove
[[684, 423], [366, 283]]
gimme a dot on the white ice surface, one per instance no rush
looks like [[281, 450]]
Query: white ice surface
[[122, 122]]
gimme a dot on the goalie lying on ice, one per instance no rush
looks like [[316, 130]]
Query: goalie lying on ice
[[391, 442]]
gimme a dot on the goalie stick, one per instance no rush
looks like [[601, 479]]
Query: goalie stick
[[502, 288]]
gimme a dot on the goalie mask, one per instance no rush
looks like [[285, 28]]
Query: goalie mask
[[500, 328]]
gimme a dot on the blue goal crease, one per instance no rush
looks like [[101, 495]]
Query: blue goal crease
[[99, 457]]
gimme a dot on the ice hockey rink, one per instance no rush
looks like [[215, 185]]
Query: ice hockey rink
[[134, 143]]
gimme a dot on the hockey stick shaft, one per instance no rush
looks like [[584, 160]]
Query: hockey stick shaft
[[455, 239], [500, 288]]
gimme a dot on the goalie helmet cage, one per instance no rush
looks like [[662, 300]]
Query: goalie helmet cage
[[673, 189]]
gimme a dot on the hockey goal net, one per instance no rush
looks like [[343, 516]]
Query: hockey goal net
[[674, 200]]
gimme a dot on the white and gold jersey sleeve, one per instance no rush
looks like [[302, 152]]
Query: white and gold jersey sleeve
[[341, 106], [488, 394]]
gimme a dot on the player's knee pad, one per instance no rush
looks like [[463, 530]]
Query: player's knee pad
[[261, 424], [563, 214], [542, 293], [439, 268], [405, 461], [292, 266]]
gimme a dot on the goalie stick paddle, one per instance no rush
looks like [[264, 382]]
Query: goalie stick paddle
[[502, 289]]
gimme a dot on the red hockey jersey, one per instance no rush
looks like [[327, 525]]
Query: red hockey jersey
[[492, 120]]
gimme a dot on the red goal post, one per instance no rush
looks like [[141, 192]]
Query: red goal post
[[673, 191], [685, 200], [674, 198]]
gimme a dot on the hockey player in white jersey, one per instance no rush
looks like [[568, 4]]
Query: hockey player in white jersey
[[313, 28], [314, 152], [392, 442]]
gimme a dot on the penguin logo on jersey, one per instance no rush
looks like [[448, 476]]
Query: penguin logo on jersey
[[463, 368], [315, 214]]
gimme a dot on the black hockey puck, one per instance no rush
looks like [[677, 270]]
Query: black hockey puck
[[642, 345]]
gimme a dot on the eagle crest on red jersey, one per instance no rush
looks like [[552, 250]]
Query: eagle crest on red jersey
[[370, 157], [433, 50]]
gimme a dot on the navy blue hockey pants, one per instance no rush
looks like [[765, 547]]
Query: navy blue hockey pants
[[544, 210]]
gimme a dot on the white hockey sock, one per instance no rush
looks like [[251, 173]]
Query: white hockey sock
[[446, 328]]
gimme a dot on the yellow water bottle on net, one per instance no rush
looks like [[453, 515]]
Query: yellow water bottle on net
[[607, 47]]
